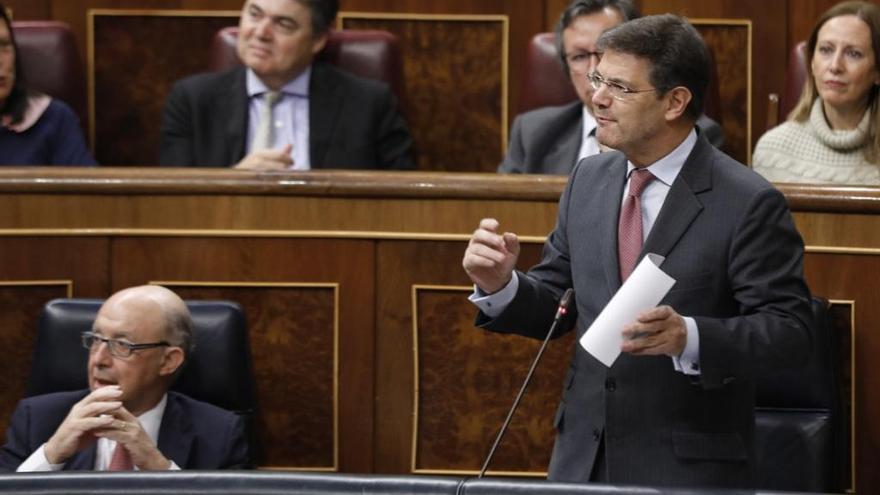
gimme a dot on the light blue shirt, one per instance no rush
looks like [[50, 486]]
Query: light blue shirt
[[291, 115], [665, 170]]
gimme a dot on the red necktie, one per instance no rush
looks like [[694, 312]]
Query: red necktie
[[121, 459], [629, 230]]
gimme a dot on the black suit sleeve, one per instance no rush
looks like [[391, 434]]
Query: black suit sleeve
[[516, 154], [17, 447], [766, 277], [176, 148], [393, 140], [239, 454]]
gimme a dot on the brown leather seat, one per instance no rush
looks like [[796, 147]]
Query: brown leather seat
[[51, 62], [545, 83], [370, 54], [781, 105]]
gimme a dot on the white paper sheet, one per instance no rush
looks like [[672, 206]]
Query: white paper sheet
[[644, 289]]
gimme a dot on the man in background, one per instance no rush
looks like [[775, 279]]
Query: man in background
[[282, 110], [550, 140]]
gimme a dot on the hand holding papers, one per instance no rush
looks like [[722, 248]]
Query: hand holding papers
[[644, 289]]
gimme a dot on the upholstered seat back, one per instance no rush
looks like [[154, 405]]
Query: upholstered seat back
[[799, 425], [51, 62], [219, 370], [366, 53]]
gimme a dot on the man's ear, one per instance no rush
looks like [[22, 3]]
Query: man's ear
[[677, 100], [319, 41], [172, 360]]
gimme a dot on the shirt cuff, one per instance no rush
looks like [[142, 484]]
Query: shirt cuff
[[689, 361], [173, 466], [495, 304], [38, 462]]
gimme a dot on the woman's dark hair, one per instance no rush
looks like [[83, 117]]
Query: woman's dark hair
[[16, 102]]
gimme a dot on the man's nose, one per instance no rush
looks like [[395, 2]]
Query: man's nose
[[600, 96], [263, 29], [101, 353]]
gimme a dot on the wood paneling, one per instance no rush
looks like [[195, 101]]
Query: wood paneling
[[130, 74], [20, 306], [452, 60]]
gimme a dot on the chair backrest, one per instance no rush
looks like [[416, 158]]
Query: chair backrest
[[366, 53], [799, 424], [795, 76], [544, 82], [219, 370], [51, 62]]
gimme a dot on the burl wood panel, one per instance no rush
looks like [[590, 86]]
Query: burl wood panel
[[728, 44], [20, 307], [467, 381], [853, 277], [136, 60], [292, 339], [400, 266], [349, 263], [453, 80]]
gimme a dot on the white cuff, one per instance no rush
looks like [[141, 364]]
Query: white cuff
[[38, 462], [689, 361], [495, 304]]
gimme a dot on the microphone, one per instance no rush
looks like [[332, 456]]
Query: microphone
[[564, 302]]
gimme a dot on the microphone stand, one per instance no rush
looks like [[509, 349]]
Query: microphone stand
[[560, 312]]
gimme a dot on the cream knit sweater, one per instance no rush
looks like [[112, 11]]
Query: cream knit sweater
[[812, 152]]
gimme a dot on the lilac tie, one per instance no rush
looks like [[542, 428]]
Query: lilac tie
[[121, 459], [629, 230]]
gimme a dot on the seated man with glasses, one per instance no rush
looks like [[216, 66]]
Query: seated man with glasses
[[128, 419], [551, 140]]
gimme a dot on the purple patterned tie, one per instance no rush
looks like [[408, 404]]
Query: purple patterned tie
[[629, 230]]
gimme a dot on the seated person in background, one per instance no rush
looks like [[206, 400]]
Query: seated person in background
[[551, 140], [323, 117], [128, 417], [831, 136], [35, 129]]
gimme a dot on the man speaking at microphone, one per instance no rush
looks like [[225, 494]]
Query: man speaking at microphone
[[677, 406]]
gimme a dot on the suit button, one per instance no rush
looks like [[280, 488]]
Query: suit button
[[610, 384], [597, 435]]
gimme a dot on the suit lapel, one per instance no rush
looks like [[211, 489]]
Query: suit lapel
[[175, 434], [83, 460], [682, 205], [325, 102], [612, 191], [562, 157], [237, 122]]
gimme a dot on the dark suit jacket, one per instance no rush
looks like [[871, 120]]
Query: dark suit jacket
[[353, 122], [194, 434], [730, 243], [547, 140]]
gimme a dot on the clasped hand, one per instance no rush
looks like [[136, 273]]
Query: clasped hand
[[102, 415]]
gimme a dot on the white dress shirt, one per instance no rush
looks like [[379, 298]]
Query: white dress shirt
[[150, 421], [290, 115], [589, 143], [665, 170]]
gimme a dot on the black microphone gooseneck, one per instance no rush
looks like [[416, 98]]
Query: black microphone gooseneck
[[560, 312]]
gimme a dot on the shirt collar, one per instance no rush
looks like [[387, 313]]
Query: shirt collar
[[589, 123], [667, 168], [151, 420], [298, 86]]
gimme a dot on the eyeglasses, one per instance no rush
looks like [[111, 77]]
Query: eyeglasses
[[616, 90], [118, 348]]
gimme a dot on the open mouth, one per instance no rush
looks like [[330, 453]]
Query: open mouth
[[99, 382]]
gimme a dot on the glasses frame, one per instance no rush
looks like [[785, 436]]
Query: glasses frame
[[615, 89], [116, 343]]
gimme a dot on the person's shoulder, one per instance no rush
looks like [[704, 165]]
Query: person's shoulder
[[63, 399], [204, 80], [200, 409], [551, 113]]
